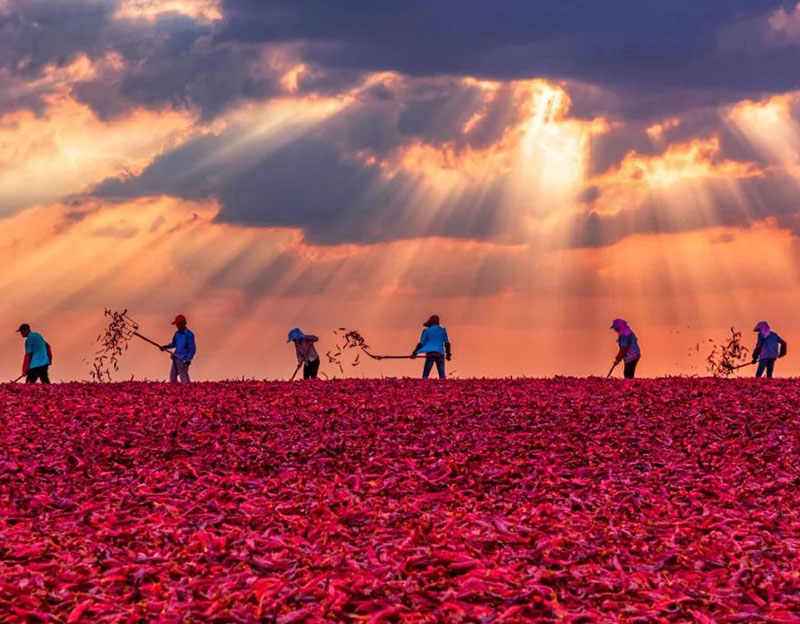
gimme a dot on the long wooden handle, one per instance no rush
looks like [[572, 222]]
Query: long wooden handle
[[387, 357], [155, 344]]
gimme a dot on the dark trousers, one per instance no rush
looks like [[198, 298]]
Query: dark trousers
[[310, 369], [630, 369], [39, 373], [768, 365], [430, 360]]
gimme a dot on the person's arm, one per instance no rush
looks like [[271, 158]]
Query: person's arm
[[447, 352], [624, 345], [312, 338], [171, 345], [784, 347], [757, 350], [49, 352], [191, 348], [419, 344], [26, 361]]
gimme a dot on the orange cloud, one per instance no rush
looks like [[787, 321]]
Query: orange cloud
[[208, 10], [73, 149]]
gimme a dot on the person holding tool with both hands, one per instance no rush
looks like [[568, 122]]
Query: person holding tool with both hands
[[769, 347], [307, 355], [629, 350], [38, 356], [185, 349], [435, 344]]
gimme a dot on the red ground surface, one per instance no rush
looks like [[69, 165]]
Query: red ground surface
[[387, 501]]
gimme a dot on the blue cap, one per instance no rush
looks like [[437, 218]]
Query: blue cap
[[295, 334]]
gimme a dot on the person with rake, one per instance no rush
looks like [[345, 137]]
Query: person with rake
[[38, 356], [629, 350], [435, 344], [769, 347], [185, 348], [307, 355]]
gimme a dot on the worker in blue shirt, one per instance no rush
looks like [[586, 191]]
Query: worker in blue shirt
[[769, 347], [38, 356], [435, 344], [184, 350]]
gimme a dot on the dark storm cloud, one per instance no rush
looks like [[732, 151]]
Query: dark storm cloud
[[321, 181], [683, 44], [170, 61], [645, 57]]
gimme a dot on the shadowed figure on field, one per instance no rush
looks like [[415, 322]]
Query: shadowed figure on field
[[629, 350], [38, 356], [435, 344], [769, 347], [307, 355], [185, 349]]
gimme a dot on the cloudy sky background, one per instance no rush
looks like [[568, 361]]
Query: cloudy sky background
[[528, 170]]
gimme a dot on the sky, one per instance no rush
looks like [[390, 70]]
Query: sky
[[527, 170]]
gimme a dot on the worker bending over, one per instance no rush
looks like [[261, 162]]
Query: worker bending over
[[629, 350], [38, 356], [307, 355]]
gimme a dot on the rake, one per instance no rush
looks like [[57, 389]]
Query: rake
[[130, 328], [18, 378]]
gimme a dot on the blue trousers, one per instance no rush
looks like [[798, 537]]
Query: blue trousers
[[430, 360], [767, 364]]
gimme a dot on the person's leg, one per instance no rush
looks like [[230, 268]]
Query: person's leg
[[173, 372], [183, 372], [44, 374], [311, 369], [32, 376], [426, 370], [770, 368], [762, 364], [630, 369], [440, 366]]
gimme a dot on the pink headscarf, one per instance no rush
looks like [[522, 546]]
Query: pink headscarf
[[621, 326], [763, 327]]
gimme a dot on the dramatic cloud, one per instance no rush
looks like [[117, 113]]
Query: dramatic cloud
[[725, 46]]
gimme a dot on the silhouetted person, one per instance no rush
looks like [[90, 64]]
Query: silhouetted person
[[769, 347], [435, 344], [185, 349], [629, 350], [38, 356], [307, 355]]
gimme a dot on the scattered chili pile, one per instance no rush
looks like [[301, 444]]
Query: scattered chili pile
[[347, 341], [112, 343], [399, 500], [726, 356]]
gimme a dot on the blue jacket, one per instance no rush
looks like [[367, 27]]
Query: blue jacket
[[184, 344], [433, 340], [769, 348]]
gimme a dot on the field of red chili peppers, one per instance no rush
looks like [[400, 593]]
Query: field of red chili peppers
[[401, 501]]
